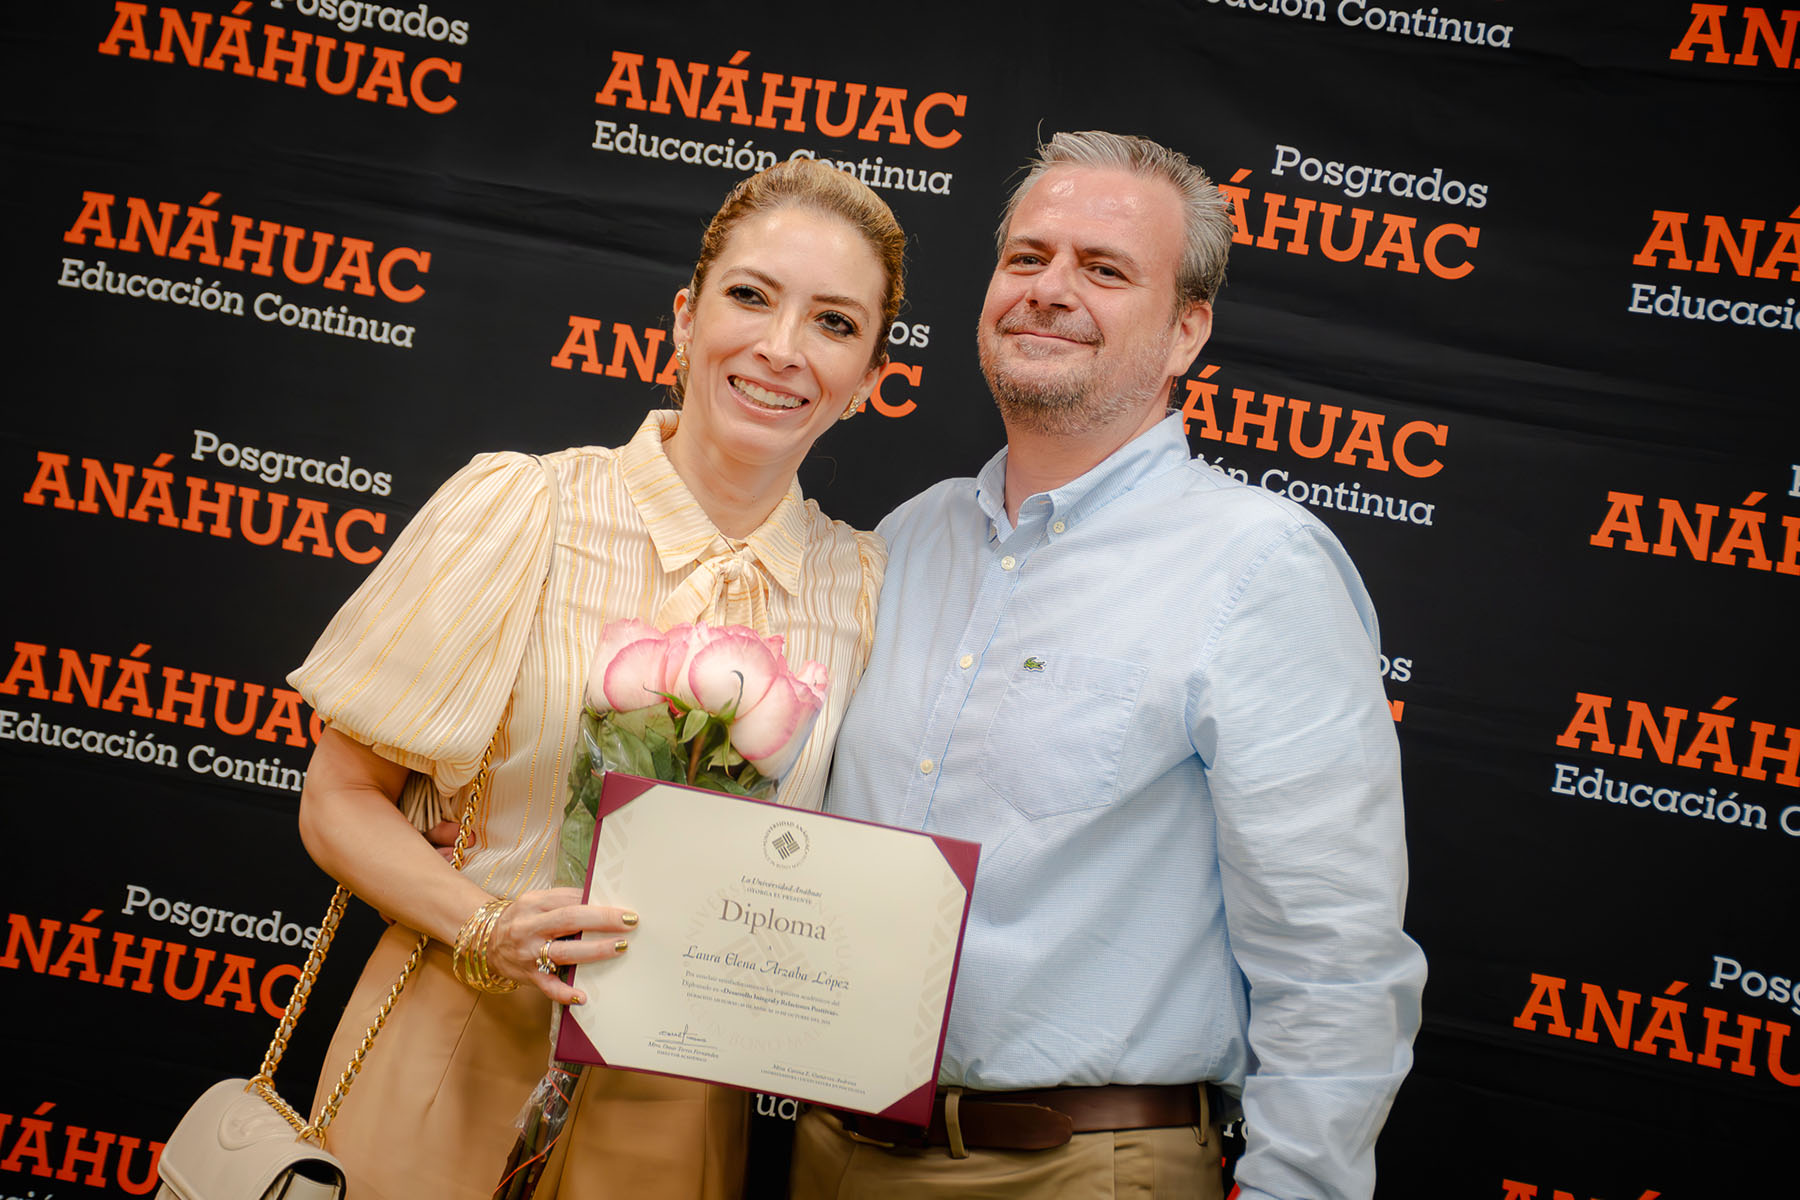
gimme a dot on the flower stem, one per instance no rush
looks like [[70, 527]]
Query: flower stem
[[693, 766]]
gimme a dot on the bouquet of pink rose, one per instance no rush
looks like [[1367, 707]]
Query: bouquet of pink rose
[[712, 707]]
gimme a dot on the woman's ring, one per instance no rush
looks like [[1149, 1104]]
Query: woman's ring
[[545, 964]]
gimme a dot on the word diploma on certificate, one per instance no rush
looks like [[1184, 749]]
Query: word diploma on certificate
[[781, 951]]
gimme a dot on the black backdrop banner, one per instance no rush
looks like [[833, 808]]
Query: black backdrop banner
[[1512, 309]]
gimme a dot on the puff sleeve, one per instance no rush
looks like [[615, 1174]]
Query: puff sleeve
[[420, 662]]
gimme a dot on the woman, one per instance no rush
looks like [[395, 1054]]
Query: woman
[[480, 624]]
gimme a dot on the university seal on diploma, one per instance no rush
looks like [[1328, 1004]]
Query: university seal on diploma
[[782, 951]]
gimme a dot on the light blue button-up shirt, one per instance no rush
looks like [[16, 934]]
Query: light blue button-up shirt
[[1156, 704]]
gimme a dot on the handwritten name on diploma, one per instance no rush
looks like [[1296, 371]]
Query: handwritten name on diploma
[[769, 966]]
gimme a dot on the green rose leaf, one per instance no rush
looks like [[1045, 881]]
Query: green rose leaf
[[665, 763], [724, 756], [624, 750], [576, 840], [639, 720], [718, 781], [661, 724], [694, 723]]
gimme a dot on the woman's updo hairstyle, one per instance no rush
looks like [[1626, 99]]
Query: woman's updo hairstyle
[[808, 183]]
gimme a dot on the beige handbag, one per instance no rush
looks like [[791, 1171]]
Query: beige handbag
[[241, 1140]]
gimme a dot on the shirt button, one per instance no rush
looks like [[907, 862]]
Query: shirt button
[[966, 661], [1008, 563], [1058, 527], [926, 767]]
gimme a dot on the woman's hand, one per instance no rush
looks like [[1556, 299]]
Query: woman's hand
[[351, 826], [536, 918]]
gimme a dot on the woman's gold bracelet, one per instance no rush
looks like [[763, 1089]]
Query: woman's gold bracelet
[[474, 940]]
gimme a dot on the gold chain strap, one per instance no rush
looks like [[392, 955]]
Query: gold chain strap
[[264, 1082]]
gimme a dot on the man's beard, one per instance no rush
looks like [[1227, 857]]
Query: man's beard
[[1075, 401]]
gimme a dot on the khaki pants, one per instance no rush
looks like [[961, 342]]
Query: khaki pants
[[1137, 1163], [431, 1115]]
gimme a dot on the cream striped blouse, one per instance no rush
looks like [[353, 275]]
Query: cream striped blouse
[[448, 638]]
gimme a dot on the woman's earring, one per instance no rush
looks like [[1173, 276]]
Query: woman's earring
[[681, 355], [856, 406]]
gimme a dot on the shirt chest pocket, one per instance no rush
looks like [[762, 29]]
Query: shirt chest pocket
[[1057, 739]]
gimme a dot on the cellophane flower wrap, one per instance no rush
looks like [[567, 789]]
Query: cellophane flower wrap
[[715, 707]]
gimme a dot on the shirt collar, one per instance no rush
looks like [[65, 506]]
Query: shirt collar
[[679, 528], [1160, 448]]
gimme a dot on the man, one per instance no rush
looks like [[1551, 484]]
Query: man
[[1151, 694]]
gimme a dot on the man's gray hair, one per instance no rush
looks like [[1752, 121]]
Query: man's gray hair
[[1205, 209]]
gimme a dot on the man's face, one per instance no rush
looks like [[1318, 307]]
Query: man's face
[[1080, 325]]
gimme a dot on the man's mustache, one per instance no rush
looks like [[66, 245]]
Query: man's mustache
[[1068, 326]]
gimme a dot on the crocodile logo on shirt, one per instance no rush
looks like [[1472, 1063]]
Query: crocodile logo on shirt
[[1034, 663]]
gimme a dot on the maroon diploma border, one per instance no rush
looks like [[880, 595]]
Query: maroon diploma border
[[914, 1108]]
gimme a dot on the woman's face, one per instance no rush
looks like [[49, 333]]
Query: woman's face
[[780, 337]]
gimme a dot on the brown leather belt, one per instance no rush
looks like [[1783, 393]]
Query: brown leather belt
[[1039, 1118]]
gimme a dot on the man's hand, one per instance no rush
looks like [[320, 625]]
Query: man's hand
[[442, 837]]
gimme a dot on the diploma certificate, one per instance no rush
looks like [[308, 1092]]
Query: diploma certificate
[[783, 951]]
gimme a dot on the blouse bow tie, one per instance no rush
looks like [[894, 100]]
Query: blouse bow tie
[[727, 587]]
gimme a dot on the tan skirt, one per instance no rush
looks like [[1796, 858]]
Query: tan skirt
[[431, 1114]]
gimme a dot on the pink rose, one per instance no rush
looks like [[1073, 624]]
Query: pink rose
[[733, 672], [630, 667], [743, 678], [814, 676], [616, 635], [772, 734], [685, 641]]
